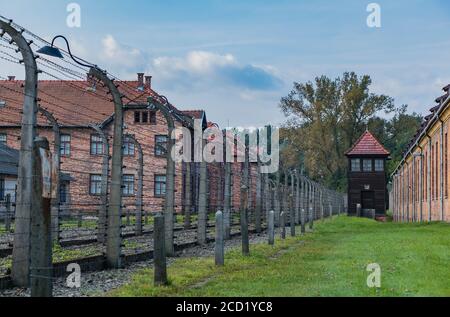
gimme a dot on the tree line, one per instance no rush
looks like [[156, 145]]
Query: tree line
[[325, 117]]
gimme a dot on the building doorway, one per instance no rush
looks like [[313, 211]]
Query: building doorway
[[368, 200]]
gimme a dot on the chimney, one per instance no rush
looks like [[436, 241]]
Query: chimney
[[140, 80], [148, 82], [11, 78]]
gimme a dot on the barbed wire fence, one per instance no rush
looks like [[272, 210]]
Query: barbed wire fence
[[80, 207]]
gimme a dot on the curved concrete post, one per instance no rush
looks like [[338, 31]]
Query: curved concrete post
[[140, 184], [26, 200], [114, 241], [101, 231], [57, 171], [170, 175]]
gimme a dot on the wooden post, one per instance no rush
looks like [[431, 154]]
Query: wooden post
[[219, 242], [271, 227], [41, 270], [159, 253], [283, 225]]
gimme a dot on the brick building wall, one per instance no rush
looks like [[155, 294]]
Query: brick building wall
[[421, 186]]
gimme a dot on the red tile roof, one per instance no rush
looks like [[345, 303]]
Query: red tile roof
[[367, 144], [73, 103]]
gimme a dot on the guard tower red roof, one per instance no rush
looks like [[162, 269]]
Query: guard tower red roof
[[367, 144]]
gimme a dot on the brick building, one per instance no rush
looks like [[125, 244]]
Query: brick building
[[420, 184], [77, 106]]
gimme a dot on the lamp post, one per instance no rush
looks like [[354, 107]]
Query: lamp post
[[113, 243]]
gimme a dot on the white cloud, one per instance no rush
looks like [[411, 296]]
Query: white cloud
[[122, 57]]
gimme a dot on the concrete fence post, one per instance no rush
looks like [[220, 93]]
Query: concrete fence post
[[41, 269], [162, 104], [25, 200], [297, 198], [102, 213], [302, 221], [188, 194], [202, 205], [8, 213], [271, 227], [227, 202], [57, 171], [159, 253], [311, 208], [292, 214], [219, 242], [283, 225], [140, 185], [259, 199], [114, 229], [244, 221]]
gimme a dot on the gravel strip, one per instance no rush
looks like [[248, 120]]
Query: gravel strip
[[104, 281]]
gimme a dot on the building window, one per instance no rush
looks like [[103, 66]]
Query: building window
[[95, 187], [128, 185], [2, 103], [356, 165], [152, 117], [64, 193], [160, 145], [160, 185], [128, 147], [3, 138], [144, 117], [65, 145], [96, 144], [379, 165], [367, 165], [137, 117]]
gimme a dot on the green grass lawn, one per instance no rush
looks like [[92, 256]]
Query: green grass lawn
[[332, 261]]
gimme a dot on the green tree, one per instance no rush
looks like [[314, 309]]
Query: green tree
[[325, 118]]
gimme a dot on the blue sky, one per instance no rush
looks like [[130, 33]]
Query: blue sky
[[236, 59]]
